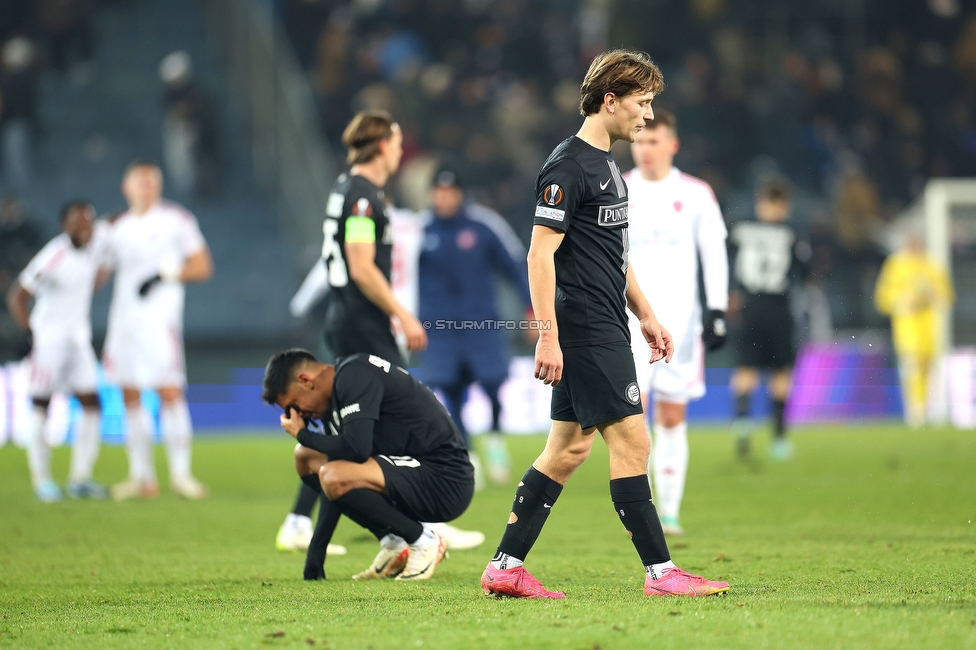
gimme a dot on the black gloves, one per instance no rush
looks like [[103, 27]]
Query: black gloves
[[715, 331], [146, 286]]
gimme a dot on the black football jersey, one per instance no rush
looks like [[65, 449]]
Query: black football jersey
[[409, 420], [580, 191], [355, 211], [765, 256]]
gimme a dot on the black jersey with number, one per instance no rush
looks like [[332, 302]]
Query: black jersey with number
[[765, 256], [580, 192], [354, 198], [408, 419]]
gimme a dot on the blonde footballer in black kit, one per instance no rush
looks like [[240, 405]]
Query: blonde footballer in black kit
[[581, 286]]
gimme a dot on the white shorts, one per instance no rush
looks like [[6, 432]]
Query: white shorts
[[145, 359], [62, 365], [678, 382]]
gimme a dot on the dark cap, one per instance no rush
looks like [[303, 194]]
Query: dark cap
[[447, 177]]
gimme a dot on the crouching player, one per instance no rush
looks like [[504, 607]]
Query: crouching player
[[394, 457]]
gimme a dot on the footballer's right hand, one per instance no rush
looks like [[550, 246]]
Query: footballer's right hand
[[292, 422], [415, 333], [548, 360], [147, 286]]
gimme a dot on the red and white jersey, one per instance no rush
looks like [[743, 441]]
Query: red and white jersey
[[62, 279], [143, 245], [673, 222], [408, 239]]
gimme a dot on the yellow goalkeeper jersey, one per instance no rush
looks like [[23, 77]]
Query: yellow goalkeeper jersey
[[915, 291]]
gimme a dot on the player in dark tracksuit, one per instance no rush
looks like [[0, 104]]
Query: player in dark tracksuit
[[465, 246]]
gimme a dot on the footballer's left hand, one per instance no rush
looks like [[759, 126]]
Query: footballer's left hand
[[662, 345], [292, 422]]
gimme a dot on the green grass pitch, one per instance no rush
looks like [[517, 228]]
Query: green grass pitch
[[866, 539]]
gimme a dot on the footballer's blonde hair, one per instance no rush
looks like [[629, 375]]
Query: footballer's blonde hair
[[364, 133], [621, 72]]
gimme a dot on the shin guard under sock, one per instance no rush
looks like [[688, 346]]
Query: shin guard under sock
[[374, 512], [308, 494], [743, 404], [779, 414], [632, 501], [329, 515], [534, 498]]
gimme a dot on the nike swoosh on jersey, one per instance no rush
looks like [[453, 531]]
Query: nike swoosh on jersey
[[603, 186], [546, 505]]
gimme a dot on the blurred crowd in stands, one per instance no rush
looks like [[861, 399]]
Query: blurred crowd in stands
[[857, 102], [58, 38], [37, 35]]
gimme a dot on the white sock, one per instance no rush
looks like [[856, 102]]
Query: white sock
[[504, 561], [670, 467], [84, 453], [479, 471], [426, 539], [303, 524], [297, 523], [393, 542], [38, 451], [139, 444], [658, 571], [174, 420]]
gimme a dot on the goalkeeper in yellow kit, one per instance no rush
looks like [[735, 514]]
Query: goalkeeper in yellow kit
[[915, 291]]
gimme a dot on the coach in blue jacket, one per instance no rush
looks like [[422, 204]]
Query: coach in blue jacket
[[465, 247]]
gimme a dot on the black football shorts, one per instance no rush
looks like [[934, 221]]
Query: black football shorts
[[764, 336], [437, 487], [599, 384]]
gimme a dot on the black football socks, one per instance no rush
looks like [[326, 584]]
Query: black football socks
[[329, 515], [632, 500], [374, 512], [534, 498], [743, 404], [779, 424], [308, 494]]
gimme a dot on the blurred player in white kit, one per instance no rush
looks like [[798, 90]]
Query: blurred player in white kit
[[61, 279], [674, 221], [156, 248]]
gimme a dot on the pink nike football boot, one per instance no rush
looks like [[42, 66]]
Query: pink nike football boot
[[517, 583]]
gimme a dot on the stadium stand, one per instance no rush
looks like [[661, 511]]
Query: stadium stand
[[89, 129]]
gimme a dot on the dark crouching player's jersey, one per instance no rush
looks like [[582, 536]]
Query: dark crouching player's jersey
[[408, 419], [581, 193], [765, 256], [354, 213]]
